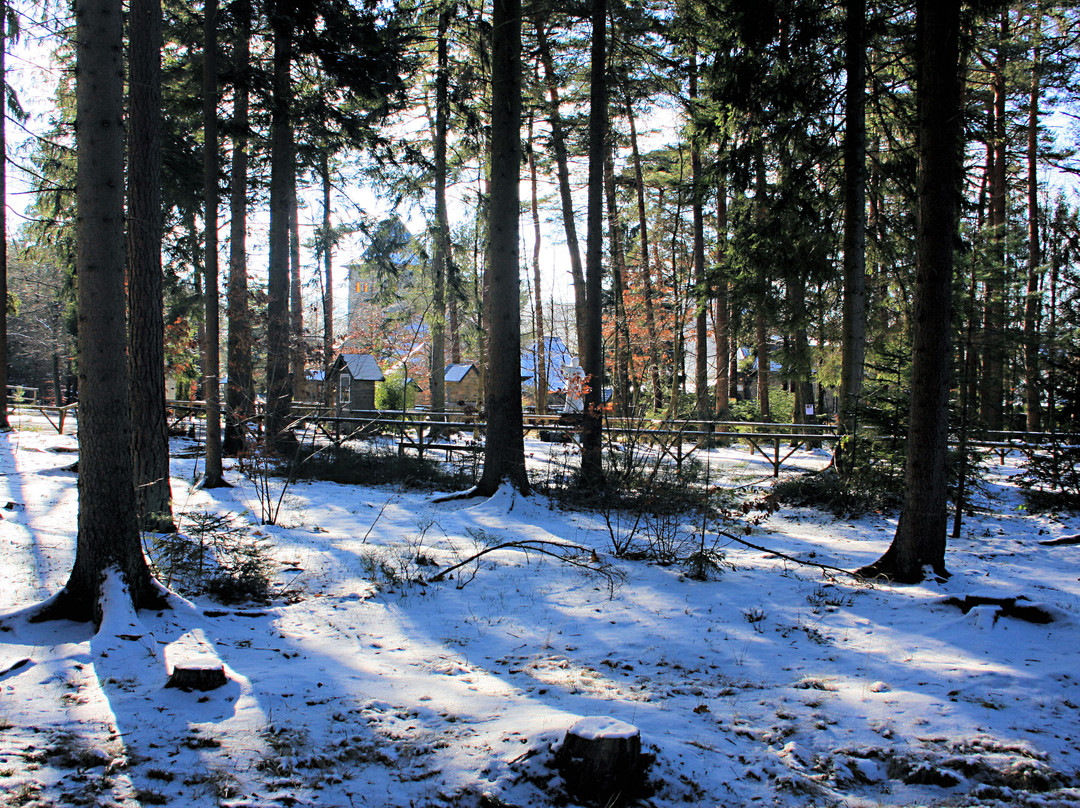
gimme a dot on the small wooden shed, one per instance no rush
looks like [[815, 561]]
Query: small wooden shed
[[462, 386], [354, 377]]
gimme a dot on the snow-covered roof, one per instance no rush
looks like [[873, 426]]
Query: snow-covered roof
[[362, 366], [560, 363], [457, 372]]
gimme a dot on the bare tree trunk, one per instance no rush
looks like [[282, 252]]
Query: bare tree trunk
[[678, 306], [734, 328], [146, 326], [538, 308], [504, 447], [764, 354], [592, 344], [211, 371], [442, 221], [1032, 309], [623, 356], [278, 383], [722, 322], [297, 346], [993, 379], [853, 347], [761, 342], [558, 144], [799, 372], [701, 290], [920, 532], [4, 425], [646, 272], [327, 246], [239, 393], [108, 529]]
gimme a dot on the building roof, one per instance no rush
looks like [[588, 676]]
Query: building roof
[[362, 367], [458, 372], [560, 364]]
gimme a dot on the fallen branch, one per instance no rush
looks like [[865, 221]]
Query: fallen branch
[[1061, 541], [573, 554], [786, 557]]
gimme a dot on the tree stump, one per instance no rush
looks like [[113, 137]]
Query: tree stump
[[600, 759], [198, 673]]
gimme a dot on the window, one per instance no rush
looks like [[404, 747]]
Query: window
[[344, 388]]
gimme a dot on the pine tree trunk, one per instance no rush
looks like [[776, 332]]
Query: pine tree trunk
[[853, 348], [800, 360], [761, 331], [761, 350], [701, 291], [239, 393], [646, 272], [108, 529], [297, 347], [328, 280], [1032, 309], [992, 394], [4, 424], [592, 344], [211, 370], [678, 306], [920, 533], [722, 322], [623, 356], [538, 308], [442, 220], [278, 383], [504, 448], [558, 144], [149, 430]]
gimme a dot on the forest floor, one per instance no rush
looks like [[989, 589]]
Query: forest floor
[[772, 683]]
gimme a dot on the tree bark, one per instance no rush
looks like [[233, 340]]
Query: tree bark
[[764, 360], [761, 329], [4, 424], [146, 327], [504, 448], [992, 393], [108, 528], [592, 344], [853, 341], [600, 759], [239, 393], [538, 308], [623, 356], [558, 144], [442, 219], [211, 370], [722, 329], [701, 291], [327, 245], [297, 347], [920, 533], [278, 383], [646, 272], [1032, 308]]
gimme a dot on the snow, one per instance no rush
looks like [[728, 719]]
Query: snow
[[775, 683], [602, 726]]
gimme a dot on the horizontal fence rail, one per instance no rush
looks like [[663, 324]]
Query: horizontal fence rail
[[424, 431]]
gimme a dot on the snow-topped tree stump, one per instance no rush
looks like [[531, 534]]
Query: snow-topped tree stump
[[600, 759], [198, 673]]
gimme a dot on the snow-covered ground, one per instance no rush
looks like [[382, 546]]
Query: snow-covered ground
[[772, 684]]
